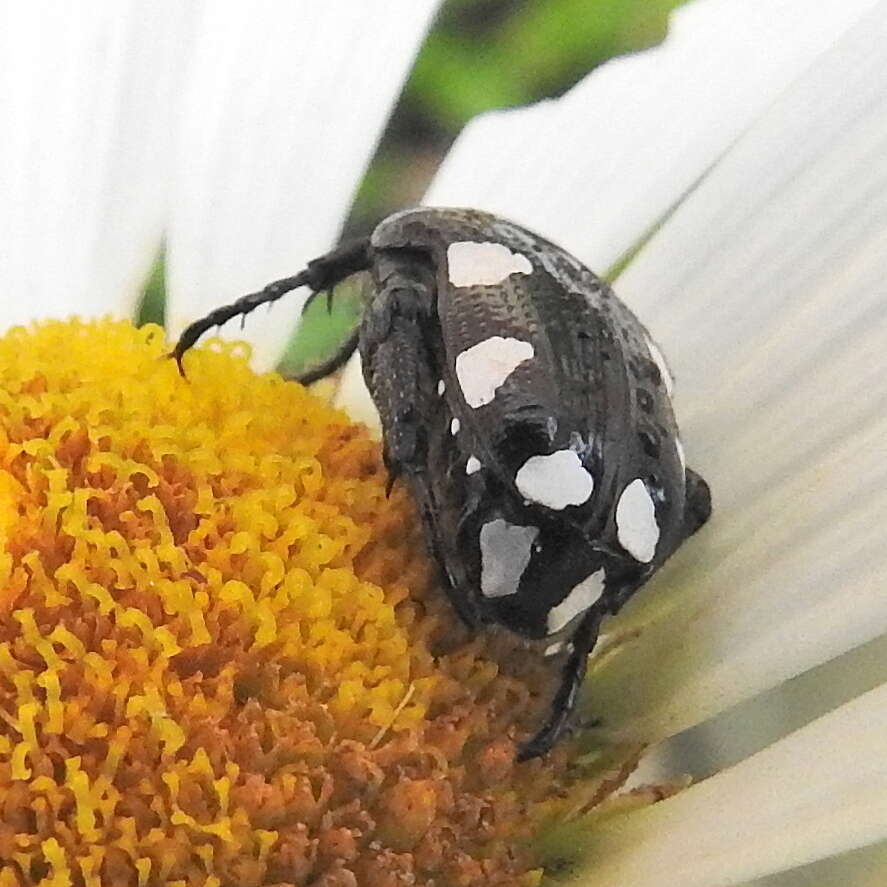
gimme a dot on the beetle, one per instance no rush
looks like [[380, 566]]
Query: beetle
[[530, 412]]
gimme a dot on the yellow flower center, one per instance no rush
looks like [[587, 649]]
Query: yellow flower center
[[222, 660]]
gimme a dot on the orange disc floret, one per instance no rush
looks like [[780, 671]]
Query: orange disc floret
[[221, 660]]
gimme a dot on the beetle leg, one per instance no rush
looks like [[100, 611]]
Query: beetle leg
[[564, 703], [698, 503], [320, 274], [328, 367], [399, 367]]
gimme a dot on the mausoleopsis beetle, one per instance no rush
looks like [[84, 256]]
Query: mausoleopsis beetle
[[530, 412]]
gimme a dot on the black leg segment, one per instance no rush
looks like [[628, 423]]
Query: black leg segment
[[697, 509], [321, 274], [328, 367], [564, 703]]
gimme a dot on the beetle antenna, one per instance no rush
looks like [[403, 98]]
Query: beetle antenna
[[320, 274]]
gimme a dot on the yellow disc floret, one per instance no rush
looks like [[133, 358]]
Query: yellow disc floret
[[221, 660]]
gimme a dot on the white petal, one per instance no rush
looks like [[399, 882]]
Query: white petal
[[598, 168], [866, 867], [745, 729], [767, 292], [816, 793], [86, 94], [283, 110]]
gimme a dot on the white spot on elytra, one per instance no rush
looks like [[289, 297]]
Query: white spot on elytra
[[556, 480], [659, 360], [636, 522], [483, 368], [557, 647], [441, 387], [504, 554], [483, 264], [580, 598], [472, 465], [455, 425], [680, 448]]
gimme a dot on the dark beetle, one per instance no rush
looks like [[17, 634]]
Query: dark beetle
[[530, 412]]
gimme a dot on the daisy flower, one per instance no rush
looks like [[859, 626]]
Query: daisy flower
[[257, 675]]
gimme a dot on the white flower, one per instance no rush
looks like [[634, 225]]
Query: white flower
[[754, 144]]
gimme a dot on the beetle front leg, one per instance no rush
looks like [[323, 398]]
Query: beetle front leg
[[398, 367], [402, 371], [320, 274], [564, 703], [330, 366]]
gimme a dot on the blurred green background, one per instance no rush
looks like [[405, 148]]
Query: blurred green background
[[484, 54], [479, 55]]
